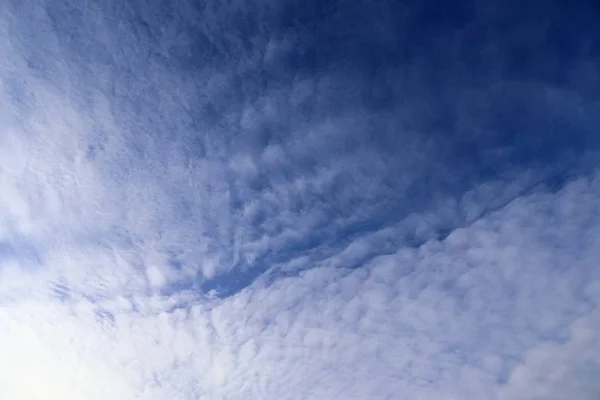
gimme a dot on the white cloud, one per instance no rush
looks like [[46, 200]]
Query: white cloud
[[450, 319], [126, 184], [560, 370]]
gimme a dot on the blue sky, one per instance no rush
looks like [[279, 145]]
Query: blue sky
[[299, 200]]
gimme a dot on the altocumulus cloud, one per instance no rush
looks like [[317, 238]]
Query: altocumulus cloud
[[299, 200]]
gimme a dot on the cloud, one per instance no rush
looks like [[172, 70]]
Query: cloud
[[260, 200], [495, 309], [553, 371]]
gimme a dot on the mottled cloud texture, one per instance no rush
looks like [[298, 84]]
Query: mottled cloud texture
[[299, 200]]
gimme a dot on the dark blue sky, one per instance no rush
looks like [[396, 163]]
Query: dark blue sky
[[433, 99]]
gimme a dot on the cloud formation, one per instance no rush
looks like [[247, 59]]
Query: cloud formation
[[496, 310], [300, 200]]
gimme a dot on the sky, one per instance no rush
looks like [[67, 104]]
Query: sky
[[299, 199]]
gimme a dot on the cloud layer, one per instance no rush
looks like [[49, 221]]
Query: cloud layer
[[300, 200], [504, 308]]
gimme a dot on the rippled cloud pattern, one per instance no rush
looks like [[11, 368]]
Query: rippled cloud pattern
[[299, 200]]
